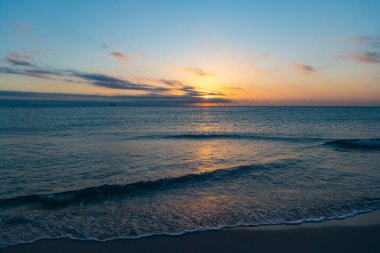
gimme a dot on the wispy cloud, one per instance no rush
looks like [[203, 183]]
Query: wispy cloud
[[23, 59], [369, 41], [120, 56], [198, 71], [191, 90], [366, 57], [20, 64], [33, 72], [233, 88], [303, 68], [194, 92], [7, 70], [95, 79], [106, 81], [22, 27], [111, 82], [173, 83], [14, 97]]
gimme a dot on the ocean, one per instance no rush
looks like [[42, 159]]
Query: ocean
[[108, 172]]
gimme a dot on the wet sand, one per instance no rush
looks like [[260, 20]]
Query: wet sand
[[357, 234]]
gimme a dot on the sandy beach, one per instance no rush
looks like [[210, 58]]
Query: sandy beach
[[357, 234]]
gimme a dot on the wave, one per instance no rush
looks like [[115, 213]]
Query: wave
[[373, 144], [106, 192], [238, 136], [317, 219]]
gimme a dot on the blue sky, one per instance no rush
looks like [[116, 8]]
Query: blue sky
[[240, 50]]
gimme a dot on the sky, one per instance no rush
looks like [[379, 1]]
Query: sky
[[163, 52]]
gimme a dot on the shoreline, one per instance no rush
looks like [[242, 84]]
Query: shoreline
[[354, 234]]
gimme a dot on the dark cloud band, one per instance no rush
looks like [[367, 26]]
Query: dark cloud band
[[18, 97]]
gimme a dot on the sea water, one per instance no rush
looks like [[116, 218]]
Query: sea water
[[101, 173]]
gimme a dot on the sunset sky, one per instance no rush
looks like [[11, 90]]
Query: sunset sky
[[192, 52]]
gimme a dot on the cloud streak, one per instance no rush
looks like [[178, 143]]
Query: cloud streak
[[198, 71], [33, 72], [22, 27], [106, 81], [366, 57], [369, 55], [370, 41], [173, 83], [19, 97], [21, 59], [95, 79], [120, 56], [190, 90], [117, 83], [303, 68], [20, 63]]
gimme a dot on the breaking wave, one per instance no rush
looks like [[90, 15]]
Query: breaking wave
[[106, 192], [233, 136], [356, 143]]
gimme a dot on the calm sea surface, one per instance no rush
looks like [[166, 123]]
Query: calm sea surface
[[121, 172]]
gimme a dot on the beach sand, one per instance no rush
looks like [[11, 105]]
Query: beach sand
[[356, 234]]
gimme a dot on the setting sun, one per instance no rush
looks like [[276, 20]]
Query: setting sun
[[138, 125], [166, 63]]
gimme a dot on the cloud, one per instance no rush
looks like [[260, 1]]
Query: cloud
[[22, 66], [43, 73], [94, 79], [22, 27], [173, 83], [106, 81], [366, 57], [20, 97], [198, 71], [191, 90], [196, 92], [7, 70], [111, 82], [370, 41], [120, 56], [303, 69], [233, 88], [33, 72], [22, 59]]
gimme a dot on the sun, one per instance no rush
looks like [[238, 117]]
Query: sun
[[207, 96]]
